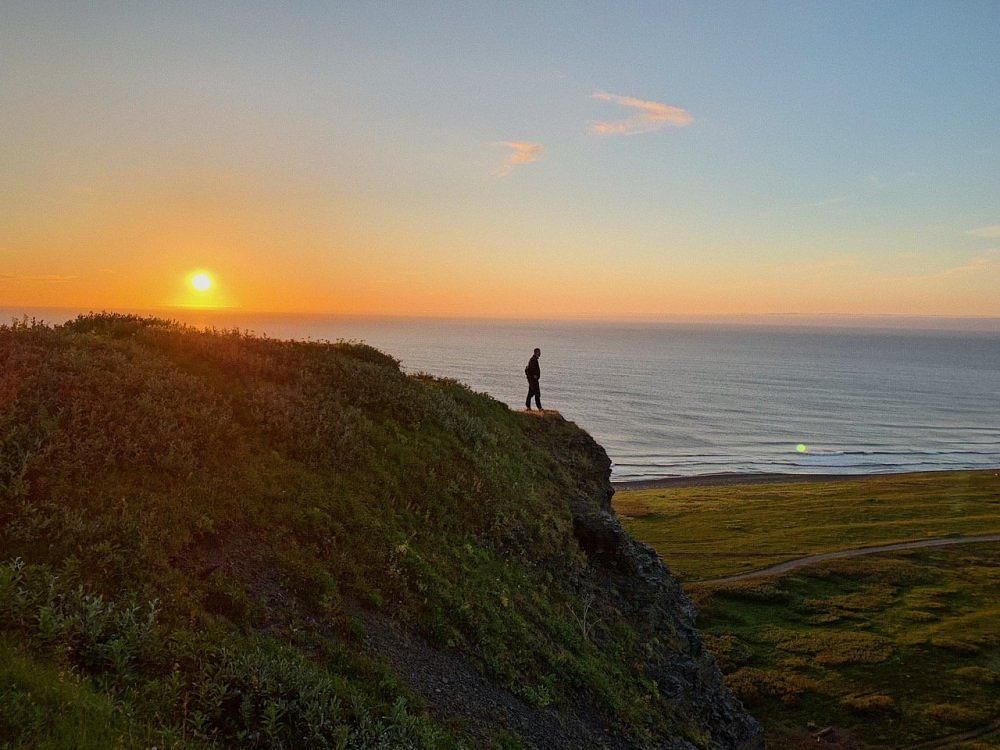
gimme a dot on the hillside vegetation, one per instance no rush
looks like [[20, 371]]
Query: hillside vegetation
[[895, 650], [211, 539]]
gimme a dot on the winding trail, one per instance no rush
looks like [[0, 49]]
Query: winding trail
[[802, 562], [953, 740]]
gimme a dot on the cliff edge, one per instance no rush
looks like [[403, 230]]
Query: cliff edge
[[212, 539]]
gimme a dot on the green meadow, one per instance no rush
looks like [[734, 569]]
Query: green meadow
[[706, 532], [892, 650]]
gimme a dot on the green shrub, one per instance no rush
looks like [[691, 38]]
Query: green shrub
[[752, 591], [752, 685], [868, 704], [955, 715], [980, 675], [834, 647], [730, 652]]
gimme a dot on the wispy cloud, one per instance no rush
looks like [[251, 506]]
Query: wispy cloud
[[520, 152], [51, 278], [991, 232], [872, 185], [819, 266], [828, 202], [989, 260], [647, 116], [985, 260]]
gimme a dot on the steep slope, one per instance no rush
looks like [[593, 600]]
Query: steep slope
[[233, 541]]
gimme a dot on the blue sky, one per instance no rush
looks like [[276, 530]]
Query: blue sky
[[777, 157]]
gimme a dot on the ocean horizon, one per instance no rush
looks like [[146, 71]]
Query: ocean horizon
[[755, 395]]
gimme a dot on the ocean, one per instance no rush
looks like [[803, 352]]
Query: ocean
[[689, 399]]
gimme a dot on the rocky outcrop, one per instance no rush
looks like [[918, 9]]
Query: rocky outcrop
[[631, 578]]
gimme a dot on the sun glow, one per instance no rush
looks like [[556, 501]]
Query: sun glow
[[201, 289], [201, 281]]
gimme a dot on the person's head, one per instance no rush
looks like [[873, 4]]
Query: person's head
[[538, 352]]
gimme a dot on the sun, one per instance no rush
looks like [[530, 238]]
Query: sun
[[201, 281], [202, 289]]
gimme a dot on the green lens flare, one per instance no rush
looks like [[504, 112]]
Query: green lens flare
[[801, 448]]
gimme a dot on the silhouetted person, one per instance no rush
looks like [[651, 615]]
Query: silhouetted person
[[534, 373]]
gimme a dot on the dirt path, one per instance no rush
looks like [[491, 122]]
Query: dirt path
[[802, 562], [953, 740]]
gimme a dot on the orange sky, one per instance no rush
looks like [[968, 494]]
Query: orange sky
[[309, 171], [135, 247]]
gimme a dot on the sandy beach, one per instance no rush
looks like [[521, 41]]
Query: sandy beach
[[733, 478]]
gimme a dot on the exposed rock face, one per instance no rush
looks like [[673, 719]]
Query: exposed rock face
[[634, 580]]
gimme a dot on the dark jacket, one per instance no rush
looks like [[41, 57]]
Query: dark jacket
[[533, 371]]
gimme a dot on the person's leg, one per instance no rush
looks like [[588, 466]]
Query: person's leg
[[527, 401], [538, 397]]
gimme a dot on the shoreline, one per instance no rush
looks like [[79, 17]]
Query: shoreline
[[726, 479]]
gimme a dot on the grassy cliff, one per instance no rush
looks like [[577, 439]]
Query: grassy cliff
[[212, 539]]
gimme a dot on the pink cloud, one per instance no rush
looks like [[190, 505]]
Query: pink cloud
[[648, 116], [520, 152]]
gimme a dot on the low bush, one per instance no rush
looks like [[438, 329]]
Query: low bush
[[980, 675], [754, 685], [751, 591], [730, 652], [834, 647], [954, 715], [869, 704]]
